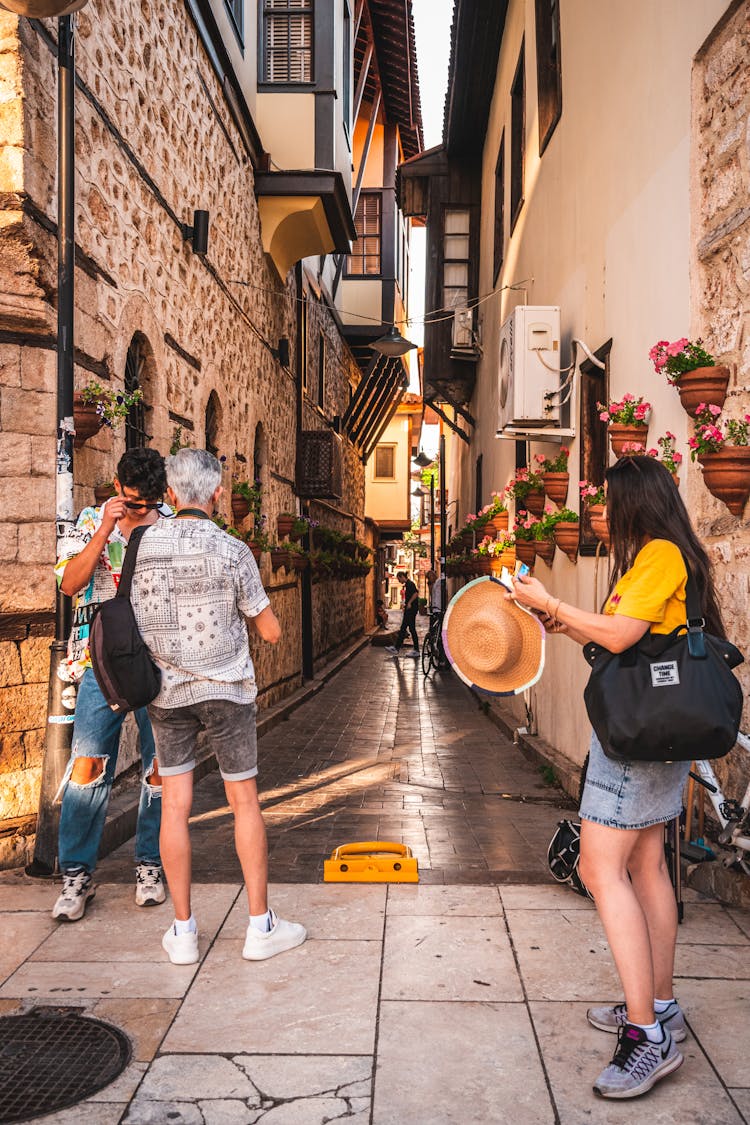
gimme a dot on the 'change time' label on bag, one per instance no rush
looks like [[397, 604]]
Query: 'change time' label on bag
[[664, 674]]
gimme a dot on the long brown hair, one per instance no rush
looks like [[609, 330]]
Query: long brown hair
[[643, 502]]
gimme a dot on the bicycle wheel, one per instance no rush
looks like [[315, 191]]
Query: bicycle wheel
[[441, 661], [428, 656]]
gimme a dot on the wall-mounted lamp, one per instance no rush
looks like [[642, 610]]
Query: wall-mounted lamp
[[423, 460], [281, 352], [197, 233], [393, 343]]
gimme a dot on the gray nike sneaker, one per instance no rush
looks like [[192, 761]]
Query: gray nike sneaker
[[638, 1064], [614, 1016]]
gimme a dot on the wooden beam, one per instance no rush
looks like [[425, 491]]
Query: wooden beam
[[459, 409], [448, 421], [358, 186], [362, 80]]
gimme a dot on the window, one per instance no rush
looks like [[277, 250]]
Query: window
[[455, 257], [517, 139], [365, 255], [288, 41], [322, 371], [548, 68], [135, 423], [385, 462], [478, 492], [213, 423], [237, 14], [499, 209]]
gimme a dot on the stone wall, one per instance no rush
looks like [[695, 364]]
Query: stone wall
[[721, 303], [154, 140]]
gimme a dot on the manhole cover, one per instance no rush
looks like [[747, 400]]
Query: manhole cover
[[54, 1057]]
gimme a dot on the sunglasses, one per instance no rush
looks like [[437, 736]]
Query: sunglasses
[[141, 505]]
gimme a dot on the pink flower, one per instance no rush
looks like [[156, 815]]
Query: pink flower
[[677, 458], [628, 397], [652, 453], [693, 443], [540, 458], [677, 346], [604, 416], [715, 410], [670, 436]]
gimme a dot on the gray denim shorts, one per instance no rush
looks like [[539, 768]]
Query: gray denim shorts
[[230, 731], [631, 794]]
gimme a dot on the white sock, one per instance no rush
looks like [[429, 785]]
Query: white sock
[[654, 1031], [189, 927], [662, 1005], [261, 922]]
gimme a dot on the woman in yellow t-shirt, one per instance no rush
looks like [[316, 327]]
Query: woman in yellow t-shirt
[[626, 804]]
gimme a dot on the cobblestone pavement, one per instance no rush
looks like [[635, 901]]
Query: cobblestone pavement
[[383, 753]]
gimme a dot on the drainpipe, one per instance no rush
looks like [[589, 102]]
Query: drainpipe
[[306, 602], [60, 696]]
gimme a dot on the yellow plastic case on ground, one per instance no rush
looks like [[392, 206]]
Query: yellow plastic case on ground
[[374, 861]]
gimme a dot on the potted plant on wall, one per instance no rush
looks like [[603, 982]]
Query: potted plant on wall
[[724, 456], [567, 532], [544, 537], [496, 513], [527, 490], [95, 406], [245, 498], [668, 455], [627, 421], [693, 370], [524, 535], [555, 476], [595, 500]]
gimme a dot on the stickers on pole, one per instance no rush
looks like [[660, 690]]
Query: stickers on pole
[[375, 861]]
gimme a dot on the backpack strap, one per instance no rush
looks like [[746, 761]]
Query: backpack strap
[[128, 566]]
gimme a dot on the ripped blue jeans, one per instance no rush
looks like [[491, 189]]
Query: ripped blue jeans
[[96, 734]]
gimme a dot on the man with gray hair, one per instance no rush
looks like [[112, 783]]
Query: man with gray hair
[[194, 591]]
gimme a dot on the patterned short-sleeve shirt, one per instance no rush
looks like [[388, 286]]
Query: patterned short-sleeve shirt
[[193, 587]]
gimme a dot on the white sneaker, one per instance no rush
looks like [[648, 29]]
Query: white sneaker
[[149, 885], [282, 936], [77, 889], [391, 649], [182, 948], [413, 652]]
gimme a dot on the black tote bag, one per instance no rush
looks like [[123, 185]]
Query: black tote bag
[[671, 697]]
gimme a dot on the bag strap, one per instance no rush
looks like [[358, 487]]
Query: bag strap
[[131, 554], [696, 622]]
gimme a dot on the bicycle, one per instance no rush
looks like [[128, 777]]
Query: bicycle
[[433, 653], [733, 816]]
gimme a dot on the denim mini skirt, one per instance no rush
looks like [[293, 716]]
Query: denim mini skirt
[[631, 794]]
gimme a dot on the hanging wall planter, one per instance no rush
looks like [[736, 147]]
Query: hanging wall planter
[[599, 523], [87, 420], [726, 475], [556, 487], [622, 433], [703, 385], [284, 525], [498, 523], [240, 508], [545, 550], [533, 501], [526, 551], [567, 535]]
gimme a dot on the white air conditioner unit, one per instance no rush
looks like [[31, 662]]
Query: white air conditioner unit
[[530, 332], [463, 329]]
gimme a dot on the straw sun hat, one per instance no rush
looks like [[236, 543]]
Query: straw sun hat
[[493, 643]]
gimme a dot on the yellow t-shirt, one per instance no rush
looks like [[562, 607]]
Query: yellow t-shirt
[[654, 587]]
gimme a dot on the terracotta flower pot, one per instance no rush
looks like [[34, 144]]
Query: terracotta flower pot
[[556, 487], [599, 523], [622, 433], [545, 549], [86, 421], [526, 551], [279, 558], [240, 508], [284, 526], [299, 562], [256, 551], [703, 384], [533, 501], [485, 564], [726, 475], [499, 522], [567, 535]]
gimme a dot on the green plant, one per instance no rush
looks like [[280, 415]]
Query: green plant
[[677, 358], [246, 490], [548, 775], [259, 539], [524, 482], [592, 493], [557, 464], [710, 438], [629, 411], [670, 458], [565, 515], [524, 527], [177, 443], [112, 406]]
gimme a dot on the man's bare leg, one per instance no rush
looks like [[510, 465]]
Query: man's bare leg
[[174, 840], [250, 841]]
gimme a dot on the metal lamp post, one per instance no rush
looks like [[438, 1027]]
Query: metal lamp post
[[60, 696]]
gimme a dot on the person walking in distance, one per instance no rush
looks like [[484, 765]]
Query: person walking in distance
[[409, 617], [195, 589], [89, 566], [626, 804]]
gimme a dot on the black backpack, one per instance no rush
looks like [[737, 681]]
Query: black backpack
[[122, 664]]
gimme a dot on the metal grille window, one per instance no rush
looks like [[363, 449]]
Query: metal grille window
[[288, 41], [456, 258], [365, 255], [135, 423], [385, 462]]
